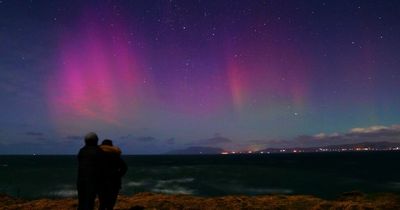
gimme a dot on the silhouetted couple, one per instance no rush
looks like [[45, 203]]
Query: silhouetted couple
[[100, 170]]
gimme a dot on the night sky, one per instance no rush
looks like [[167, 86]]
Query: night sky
[[160, 75]]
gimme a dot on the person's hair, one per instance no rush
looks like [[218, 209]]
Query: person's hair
[[91, 139], [107, 142]]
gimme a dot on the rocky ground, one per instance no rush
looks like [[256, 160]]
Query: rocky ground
[[353, 200]]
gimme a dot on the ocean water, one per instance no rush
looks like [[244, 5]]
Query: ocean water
[[326, 175]]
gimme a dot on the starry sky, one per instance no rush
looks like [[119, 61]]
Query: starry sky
[[158, 75]]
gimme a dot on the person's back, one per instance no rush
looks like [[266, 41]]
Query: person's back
[[88, 170], [113, 168], [88, 166]]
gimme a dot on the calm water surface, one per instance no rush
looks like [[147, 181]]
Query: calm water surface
[[325, 175]]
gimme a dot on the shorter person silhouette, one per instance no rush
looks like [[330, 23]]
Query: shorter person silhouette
[[113, 168]]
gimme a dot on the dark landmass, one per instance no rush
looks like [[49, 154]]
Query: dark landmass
[[351, 200], [197, 150], [363, 146]]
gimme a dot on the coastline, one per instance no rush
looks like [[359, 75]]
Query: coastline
[[351, 200]]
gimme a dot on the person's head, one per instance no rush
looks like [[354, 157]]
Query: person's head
[[107, 142], [91, 139]]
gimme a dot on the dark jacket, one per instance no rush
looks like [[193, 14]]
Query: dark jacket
[[112, 166], [88, 163]]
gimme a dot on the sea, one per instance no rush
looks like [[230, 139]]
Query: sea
[[326, 175]]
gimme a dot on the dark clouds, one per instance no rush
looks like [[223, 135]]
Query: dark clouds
[[126, 136], [73, 137], [145, 139], [138, 144], [40, 146], [376, 133], [34, 133], [216, 140], [145, 144], [130, 137], [170, 141]]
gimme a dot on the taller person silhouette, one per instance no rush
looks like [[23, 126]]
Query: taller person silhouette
[[88, 171]]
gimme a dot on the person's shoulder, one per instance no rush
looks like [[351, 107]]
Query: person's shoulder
[[87, 151], [110, 149], [82, 149], [90, 149]]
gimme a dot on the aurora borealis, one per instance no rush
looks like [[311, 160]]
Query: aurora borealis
[[161, 75]]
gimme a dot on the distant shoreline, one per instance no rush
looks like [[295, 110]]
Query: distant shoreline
[[236, 154]]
